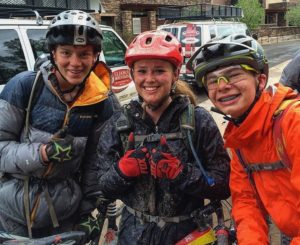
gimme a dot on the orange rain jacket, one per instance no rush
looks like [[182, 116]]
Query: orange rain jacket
[[278, 190]]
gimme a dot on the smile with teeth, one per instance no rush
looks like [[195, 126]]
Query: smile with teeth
[[150, 88], [229, 98]]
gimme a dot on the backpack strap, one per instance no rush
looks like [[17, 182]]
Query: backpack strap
[[35, 92], [124, 127], [277, 130]]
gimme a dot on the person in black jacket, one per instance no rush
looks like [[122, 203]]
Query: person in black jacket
[[291, 73], [143, 157]]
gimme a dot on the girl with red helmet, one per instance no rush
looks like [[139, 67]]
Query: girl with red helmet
[[142, 155]]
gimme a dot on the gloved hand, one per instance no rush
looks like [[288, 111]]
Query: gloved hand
[[92, 227], [163, 163], [60, 148], [135, 161]]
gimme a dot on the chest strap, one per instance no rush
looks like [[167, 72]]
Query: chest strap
[[156, 137], [255, 167], [160, 221]]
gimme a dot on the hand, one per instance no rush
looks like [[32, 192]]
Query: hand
[[92, 227], [163, 163], [135, 161], [60, 148]]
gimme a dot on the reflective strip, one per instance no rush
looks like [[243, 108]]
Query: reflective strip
[[255, 167]]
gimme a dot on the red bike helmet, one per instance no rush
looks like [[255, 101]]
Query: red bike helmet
[[155, 45]]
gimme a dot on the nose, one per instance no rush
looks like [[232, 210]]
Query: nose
[[222, 82], [75, 60], [149, 76]]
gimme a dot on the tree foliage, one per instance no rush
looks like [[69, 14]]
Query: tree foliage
[[293, 15], [254, 13]]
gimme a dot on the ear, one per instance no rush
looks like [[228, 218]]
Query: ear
[[262, 81], [176, 74], [53, 53]]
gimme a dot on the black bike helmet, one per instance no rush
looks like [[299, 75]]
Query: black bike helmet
[[235, 49], [74, 27]]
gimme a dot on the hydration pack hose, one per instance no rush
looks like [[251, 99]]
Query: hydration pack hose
[[210, 181]]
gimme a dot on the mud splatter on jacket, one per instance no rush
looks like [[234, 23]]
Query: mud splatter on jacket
[[162, 197]]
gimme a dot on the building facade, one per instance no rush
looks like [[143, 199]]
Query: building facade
[[275, 11], [130, 17]]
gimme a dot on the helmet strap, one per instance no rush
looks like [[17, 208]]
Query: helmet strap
[[173, 88]]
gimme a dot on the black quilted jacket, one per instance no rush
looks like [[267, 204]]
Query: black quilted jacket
[[160, 197]]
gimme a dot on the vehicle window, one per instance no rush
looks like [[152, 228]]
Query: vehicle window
[[113, 49], [240, 29], [37, 38], [174, 31], [224, 30], [12, 59], [190, 35]]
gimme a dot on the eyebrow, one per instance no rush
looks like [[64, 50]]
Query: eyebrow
[[228, 70]]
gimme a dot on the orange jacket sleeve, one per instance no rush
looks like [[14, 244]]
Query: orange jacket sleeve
[[250, 221]]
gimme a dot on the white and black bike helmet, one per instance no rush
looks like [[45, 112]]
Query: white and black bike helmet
[[74, 27], [235, 49]]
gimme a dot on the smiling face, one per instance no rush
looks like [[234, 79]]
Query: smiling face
[[234, 89], [74, 63], [153, 80]]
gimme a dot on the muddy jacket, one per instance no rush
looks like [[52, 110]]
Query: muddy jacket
[[162, 197], [20, 158], [278, 190]]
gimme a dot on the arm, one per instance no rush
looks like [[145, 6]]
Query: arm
[[291, 73], [103, 160], [215, 160], [250, 221], [16, 156], [291, 131], [89, 181]]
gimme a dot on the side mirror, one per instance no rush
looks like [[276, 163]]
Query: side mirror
[[255, 36]]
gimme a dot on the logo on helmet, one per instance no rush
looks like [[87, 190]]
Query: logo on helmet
[[79, 40]]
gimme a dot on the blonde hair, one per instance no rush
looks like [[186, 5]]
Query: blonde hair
[[182, 88]]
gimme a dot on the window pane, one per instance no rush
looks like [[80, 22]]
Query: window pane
[[113, 49], [12, 59], [37, 38]]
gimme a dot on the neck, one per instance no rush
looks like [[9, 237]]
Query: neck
[[156, 113]]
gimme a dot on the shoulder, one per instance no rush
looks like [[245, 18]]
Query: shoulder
[[18, 88], [202, 114]]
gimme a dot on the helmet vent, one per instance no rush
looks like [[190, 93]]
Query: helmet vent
[[168, 38], [148, 40], [80, 30]]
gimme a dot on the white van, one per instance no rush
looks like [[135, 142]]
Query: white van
[[193, 34], [22, 41]]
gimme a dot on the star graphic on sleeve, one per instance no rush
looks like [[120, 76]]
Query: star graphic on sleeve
[[90, 225], [62, 153]]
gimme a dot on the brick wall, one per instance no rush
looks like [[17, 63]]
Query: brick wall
[[274, 34]]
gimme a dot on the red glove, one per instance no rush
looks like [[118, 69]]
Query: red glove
[[163, 163], [135, 161]]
